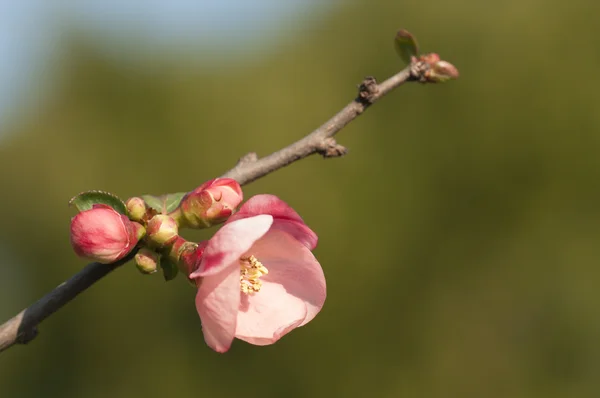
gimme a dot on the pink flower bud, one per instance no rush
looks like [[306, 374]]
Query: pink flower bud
[[190, 257], [136, 207], [186, 255], [211, 203], [104, 235], [162, 230]]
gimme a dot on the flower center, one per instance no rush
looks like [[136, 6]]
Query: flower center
[[250, 272]]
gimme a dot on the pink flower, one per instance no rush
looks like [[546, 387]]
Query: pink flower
[[257, 277], [104, 235], [211, 203]]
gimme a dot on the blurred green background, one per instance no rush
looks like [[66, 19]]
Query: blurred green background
[[459, 237]]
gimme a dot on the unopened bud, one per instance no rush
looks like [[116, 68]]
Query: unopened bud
[[104, 235], [189, 256], [211, 203], [162, 230], [442, 71], [438, 71], [147, 261], [136, 207], [430, 58]]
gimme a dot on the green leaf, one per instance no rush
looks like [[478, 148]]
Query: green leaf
[[164, 204], [86, 200], [169, 268], [172, 201], [153, 201], [406, 45]]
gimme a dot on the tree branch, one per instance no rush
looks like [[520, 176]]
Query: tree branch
[[250, 168], [22, 328]]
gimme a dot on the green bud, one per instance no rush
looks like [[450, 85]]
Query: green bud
[[162, 230], [147, 261], [136, 208]]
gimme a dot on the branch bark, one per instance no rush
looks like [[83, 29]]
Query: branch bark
[[22, 328], [250, 168]]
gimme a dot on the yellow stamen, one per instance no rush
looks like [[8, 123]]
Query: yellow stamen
[[250, 272]]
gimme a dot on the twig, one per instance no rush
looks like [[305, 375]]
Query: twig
[[22, 328], [250, 168]]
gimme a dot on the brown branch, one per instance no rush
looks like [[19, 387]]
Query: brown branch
[[22, 328], [250, 168]]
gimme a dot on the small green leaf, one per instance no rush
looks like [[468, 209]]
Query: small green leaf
[[86, 200], [164, 204], [153, 202], [406, 45], [169, 268], [172, 201]]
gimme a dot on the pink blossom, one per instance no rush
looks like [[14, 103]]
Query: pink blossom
[[103, 235], [257, 277]]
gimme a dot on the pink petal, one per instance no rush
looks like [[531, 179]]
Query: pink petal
[[285, 217], [299, 231], [230, 242], [217, 302], [266, 316], [293, 266]]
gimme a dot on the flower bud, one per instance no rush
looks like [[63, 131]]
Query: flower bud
[[147, 261], [187, 254], [211, 203], [104, 235], [162, 230], [136, 207]]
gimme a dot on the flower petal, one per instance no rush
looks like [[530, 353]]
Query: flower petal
[[285, 218], [217, 302], [293, 266], [229, 243], [266, 316], [299, 231]]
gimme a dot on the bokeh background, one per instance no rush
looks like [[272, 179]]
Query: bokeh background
[[459, 237]]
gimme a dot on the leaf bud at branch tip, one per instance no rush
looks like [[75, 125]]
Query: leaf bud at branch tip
[[442, 71], [432, 69]]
